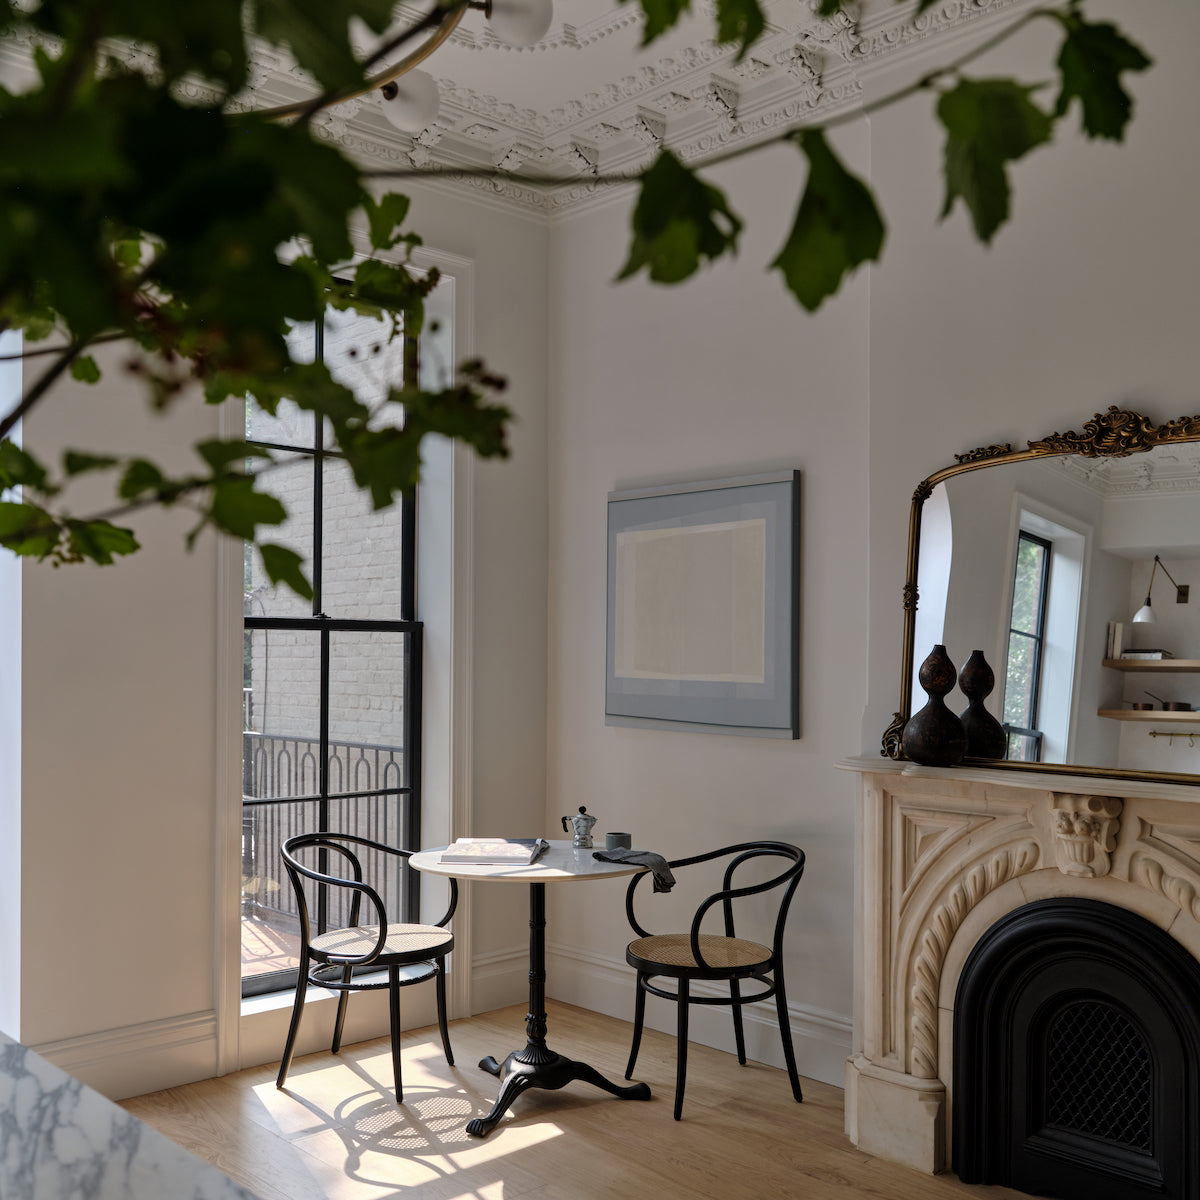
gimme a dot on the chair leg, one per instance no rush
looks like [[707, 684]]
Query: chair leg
[[340, 1020], [297, 1008], [681, 1047], [785, 1034], [394, 1013], [443, 1027], [639, 1015], [739, 1036]]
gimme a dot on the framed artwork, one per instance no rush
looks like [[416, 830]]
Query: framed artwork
[[703, 606]]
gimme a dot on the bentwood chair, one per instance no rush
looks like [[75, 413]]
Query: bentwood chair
[[724, 957], [354, 958]]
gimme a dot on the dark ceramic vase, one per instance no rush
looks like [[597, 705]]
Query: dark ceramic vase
[[934, 737], [985, 735]]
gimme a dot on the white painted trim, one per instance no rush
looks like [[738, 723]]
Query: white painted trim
[[227, 807], [137, 1059], [456, 486]]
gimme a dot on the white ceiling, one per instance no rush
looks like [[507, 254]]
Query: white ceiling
[[587, 97]]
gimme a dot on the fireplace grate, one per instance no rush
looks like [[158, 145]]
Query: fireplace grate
[[1099, 1076]]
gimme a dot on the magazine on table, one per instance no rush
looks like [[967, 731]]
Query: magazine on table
[[495, 851]]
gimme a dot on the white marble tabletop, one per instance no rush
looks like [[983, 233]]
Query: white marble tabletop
[[562, 862], [60, 1139]]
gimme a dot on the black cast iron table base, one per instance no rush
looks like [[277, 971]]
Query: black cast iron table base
[[537, 1066], [517, 1076]]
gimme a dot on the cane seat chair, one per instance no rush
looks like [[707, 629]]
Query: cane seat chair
[[360, 957], [724, 957]]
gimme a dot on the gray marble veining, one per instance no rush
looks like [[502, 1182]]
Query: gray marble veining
[[60, 1140]]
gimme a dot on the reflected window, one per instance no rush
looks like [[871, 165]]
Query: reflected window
[[1026, 646]]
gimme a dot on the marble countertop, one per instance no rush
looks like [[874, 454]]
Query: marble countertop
[[59, 1138]]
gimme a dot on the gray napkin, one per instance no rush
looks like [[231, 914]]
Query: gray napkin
[[664, 881]]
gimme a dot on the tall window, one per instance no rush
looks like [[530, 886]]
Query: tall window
[[1026, 646], [331, 688]]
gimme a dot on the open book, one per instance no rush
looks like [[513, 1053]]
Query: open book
[[498, 851]]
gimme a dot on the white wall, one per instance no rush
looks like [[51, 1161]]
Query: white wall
[[1084, 300], [723, 376], [118, 967], [117, 759]]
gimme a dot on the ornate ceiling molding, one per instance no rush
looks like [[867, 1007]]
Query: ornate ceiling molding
[[695, 99]]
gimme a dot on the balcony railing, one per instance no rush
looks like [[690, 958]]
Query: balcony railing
[[275, 771]]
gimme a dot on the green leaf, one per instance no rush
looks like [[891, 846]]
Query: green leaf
[[740, 21], [285, 566], [77, 462], [1091, 61], [837, 226], [393, 287], [989, 123], [677, 221], [385, 218], [27, 529], [18, 468], [140, 476], [238, 509], [220, 454], [660, 16], [84, 369], [99, 541]]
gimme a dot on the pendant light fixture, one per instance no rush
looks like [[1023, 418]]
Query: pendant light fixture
[[409, 97]]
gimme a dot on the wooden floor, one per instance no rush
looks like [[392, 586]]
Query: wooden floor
[[337, 1132]]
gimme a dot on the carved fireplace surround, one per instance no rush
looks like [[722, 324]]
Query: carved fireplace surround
[[945, 853]]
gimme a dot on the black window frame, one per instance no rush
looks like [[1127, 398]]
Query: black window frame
[[409, 787]]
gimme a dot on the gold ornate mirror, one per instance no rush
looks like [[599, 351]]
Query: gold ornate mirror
[[1096, 506]]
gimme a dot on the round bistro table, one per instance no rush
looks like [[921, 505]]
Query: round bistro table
[[536, 1066]]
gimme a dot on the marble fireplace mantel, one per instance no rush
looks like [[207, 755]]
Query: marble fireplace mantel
[[942, 854]]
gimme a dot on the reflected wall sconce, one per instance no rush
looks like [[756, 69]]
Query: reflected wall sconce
[[1145, 615]]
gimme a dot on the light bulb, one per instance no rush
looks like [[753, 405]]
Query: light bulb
[[520, 22], [410, 102]]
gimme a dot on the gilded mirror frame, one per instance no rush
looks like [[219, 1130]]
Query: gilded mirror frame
[[1117, 433]]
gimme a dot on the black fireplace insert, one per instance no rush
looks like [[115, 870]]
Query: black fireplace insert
[[1077, 1056]]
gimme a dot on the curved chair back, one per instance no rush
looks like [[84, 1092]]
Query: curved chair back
[[739, 854]]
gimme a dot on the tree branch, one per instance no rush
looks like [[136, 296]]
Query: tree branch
[[43, 385]]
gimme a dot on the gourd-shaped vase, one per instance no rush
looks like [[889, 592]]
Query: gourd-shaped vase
[[985, 735], [934, 737]]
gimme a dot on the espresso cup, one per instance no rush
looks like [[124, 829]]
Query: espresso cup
[[618, 841]]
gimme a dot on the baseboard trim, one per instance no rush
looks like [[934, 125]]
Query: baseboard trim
[[499, 979], [135, 1059], [822, 1039]]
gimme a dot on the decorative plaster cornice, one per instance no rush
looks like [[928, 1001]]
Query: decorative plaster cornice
[[696, 99]]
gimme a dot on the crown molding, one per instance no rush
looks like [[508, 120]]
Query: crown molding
[[694, 99]]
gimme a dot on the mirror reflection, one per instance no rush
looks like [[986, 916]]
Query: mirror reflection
[[1042, 565]]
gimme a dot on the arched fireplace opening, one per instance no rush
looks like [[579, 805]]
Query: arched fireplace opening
[[1077, 1056]]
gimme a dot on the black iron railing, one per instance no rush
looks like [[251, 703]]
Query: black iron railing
[[367, 797]]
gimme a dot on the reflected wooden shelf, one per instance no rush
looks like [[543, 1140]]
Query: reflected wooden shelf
[[1128, 714], [1181, 666]]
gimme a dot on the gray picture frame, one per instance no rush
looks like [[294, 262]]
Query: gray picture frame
[[703, 607]]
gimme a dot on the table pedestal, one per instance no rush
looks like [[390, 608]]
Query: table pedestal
[[537, 1066]]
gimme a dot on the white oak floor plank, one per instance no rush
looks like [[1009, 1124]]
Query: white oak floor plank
[[335, 1132]]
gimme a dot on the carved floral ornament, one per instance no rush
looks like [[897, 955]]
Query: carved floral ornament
[[1085, 832]]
